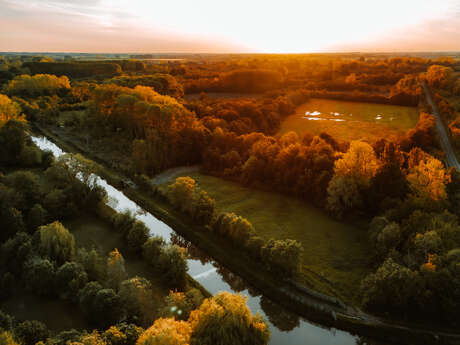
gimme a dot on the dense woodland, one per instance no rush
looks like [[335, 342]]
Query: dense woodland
[[41, 257], [139, 113]]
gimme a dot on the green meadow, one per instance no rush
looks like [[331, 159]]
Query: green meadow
[[336, 254], [350, 120]]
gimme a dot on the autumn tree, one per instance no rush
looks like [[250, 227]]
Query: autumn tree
[[226, 319], [39, 84], [439, 76], [9, 110], [428, 179], [166, 332], [353, 174], [189, 198]]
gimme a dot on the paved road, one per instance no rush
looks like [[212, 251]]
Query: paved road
[[444, 137]]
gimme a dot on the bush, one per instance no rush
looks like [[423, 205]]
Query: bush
[[283, 256], [237, 228], [137, 236], [15, 252], [70, 278], [31, 332], [102, 306]]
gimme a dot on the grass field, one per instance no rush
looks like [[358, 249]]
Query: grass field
[[56, 314], [89, 231], [334, 250], [350, 120]]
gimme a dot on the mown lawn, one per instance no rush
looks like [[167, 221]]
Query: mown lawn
[[334, 250]]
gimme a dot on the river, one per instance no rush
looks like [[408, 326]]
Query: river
[[289, 330]]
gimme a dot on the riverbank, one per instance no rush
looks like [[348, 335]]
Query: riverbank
[[315, 307]]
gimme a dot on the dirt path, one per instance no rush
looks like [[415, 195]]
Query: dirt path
[[166, 175], [443, 136]]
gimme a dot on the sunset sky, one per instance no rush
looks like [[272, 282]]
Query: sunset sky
[[229, 26]]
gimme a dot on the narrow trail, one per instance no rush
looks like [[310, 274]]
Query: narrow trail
[[443, 136], [168, 174]]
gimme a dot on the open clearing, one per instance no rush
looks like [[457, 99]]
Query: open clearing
[[350, 120], [334, 250]]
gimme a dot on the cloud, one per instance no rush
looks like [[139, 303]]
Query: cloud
[[74, 26], [208, 26]]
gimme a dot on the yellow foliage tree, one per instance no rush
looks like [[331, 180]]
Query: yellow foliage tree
[[7, 339], [39, 84], [226, 319], [428, 179], [166, 332], [9, 110], [359, 162]]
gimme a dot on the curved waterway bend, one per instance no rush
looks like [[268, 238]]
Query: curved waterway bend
[[208, 275]]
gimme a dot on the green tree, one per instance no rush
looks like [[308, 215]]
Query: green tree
[[137, 296], [392, 287], [137, 236], [36, 217], [116, 271], [102, 306], [40, 276], [283, 256], [70, 278], [56, 242], [173, 265], [93, 264], [151, 250], [15, 252], [31, 332]]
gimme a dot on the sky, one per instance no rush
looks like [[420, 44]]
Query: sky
[[213, 26]]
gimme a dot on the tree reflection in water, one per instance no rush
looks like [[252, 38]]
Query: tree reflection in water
[[282, 319], [193, 252]]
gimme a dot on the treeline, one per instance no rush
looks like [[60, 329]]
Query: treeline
[[243, 116], [319, 73], [74, 69], [164, 84], [162, 131], [281, 257]]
